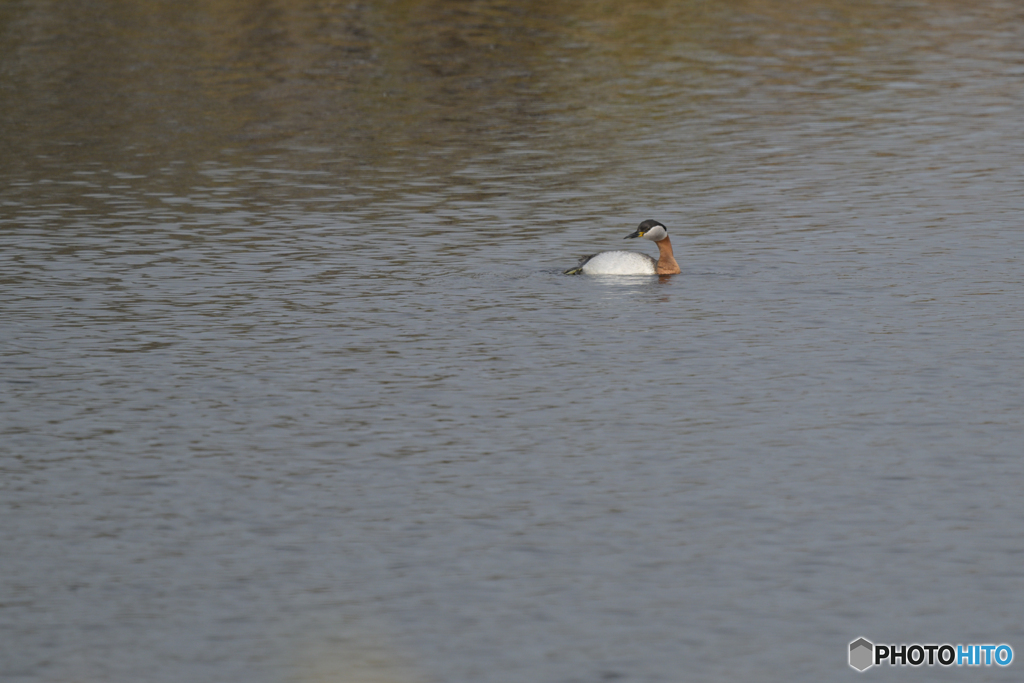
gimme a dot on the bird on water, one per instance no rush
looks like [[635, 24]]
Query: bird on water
[[633, 262]]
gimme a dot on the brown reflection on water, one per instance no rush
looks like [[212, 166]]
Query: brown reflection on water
[[373, 81], [172, 77]]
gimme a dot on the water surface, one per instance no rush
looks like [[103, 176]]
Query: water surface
[[294, 389]]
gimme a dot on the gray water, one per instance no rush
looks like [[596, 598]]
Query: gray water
[[294, 390]]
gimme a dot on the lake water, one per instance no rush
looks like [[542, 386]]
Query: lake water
[[294, 390]]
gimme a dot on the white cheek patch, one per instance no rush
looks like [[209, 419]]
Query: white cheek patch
[[656, 234]]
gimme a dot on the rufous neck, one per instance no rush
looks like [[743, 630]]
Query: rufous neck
[[666, 261]]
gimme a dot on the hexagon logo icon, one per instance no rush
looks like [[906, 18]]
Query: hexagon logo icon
[[860, 654]]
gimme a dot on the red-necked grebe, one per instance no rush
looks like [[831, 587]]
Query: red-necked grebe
[[632, 262]]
